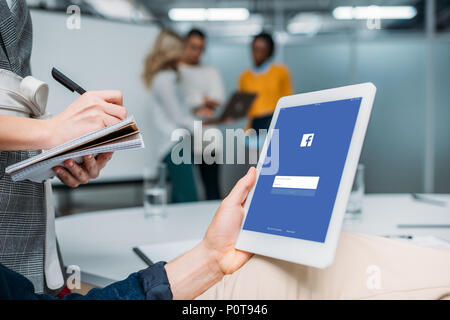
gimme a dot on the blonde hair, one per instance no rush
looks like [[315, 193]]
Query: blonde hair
[[166, 51]]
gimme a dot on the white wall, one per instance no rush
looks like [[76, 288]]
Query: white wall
[[101, 55]]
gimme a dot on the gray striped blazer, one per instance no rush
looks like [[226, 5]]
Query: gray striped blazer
[[22, 205]]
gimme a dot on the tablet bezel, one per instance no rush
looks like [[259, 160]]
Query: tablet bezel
[[316, 254]]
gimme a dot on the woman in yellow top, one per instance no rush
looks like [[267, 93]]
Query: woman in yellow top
[[269, 80]]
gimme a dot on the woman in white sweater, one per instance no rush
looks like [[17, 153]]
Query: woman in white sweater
[[168, 112]]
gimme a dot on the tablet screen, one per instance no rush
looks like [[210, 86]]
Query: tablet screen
[[297, 201]]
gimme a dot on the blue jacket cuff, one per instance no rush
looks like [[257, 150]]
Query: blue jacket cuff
[[155, 282]]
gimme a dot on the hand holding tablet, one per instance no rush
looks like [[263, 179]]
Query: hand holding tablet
[[296, 208]]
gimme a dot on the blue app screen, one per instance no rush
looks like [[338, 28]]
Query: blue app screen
[[297, 201]]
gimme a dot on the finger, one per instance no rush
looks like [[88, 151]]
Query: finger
[[112, 96], [114, 110], [77, 171], [240, 191], [66, 177], [103, 158], [91, 166], [109, 120]]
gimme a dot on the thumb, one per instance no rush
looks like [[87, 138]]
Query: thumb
[[240, 191]]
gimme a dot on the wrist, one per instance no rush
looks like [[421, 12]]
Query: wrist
[[212, 257], [193, 273], [47, 138], [20, 133]]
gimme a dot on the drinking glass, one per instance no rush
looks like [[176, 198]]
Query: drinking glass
[[155, 192], [355, 202]]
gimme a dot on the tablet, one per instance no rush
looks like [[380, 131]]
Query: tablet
[[238, 106], [305, 175]]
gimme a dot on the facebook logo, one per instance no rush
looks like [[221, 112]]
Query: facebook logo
[[307, 140]]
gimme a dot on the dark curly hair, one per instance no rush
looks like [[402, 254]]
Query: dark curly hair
[[196, 32], [267, 37]]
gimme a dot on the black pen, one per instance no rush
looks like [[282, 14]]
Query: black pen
[[66, 82], [401, 236], [143, 256]]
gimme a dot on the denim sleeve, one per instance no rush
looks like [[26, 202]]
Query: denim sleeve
[[151, 283]]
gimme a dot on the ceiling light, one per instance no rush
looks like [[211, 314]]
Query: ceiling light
[[227, 14], [211, 14], [305, 23], [374, 12], [197, 14], [119, 9]]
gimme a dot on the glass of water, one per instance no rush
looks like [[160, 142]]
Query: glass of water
[[355, 202], [155, 192]]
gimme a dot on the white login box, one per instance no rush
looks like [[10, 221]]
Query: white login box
[[296, 182]]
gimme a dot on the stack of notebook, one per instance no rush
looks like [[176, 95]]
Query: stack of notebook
[[119, 136]]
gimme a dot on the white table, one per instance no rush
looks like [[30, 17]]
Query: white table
[[101, 242]]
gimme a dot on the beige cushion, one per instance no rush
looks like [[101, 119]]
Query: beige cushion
[[365, 267]]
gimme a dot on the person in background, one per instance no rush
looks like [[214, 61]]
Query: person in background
[[202, 84], [270, 81], [27, 231], [169, 111], [204, 92]]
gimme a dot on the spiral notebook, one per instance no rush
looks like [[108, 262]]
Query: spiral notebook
[[123, 135]]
